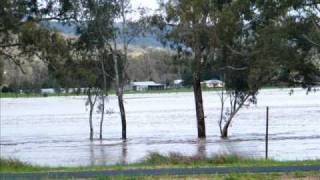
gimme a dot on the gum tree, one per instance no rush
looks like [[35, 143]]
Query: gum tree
[[21, 25], [189, 26], [96, 33], [127, 30], [264, 43]]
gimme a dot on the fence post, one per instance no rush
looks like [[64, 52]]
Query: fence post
[[267, 130]]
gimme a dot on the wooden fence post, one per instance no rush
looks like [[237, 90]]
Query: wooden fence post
[[267, 130]]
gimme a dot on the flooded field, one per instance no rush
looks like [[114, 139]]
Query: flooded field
[[54, 131]]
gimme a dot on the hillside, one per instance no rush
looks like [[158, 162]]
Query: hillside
[[149, 40]]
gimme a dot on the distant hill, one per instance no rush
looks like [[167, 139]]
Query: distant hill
[[149, 40], [68, 29]]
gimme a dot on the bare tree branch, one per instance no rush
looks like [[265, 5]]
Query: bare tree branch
[[310, 41], [9, 45], [234, 68], [14, 60]]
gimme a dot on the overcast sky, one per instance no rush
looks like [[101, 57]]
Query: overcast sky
[[152, 4]]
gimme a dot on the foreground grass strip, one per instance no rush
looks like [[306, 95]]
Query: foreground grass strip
[[157, 161], [232, 176], [160, 172], [156, 165]]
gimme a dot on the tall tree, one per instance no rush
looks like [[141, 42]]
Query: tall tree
[[20, 18], [96, 34], [258, 42], [189, 25], [129, 30]]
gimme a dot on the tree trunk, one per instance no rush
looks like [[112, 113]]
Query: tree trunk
[[91, 105], [120, 96], [90, 123], [199, 104], [102, 116], [104, 92], [224, 132], [120, 93], [123, 116], [221, 111]]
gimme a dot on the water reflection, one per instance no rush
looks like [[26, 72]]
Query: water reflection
[[102, 152], [201, 148], [124, 153], [92, 153], [230, 147], [253, 148]]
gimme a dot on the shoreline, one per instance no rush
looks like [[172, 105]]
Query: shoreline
[[159, 161], [180, 90]]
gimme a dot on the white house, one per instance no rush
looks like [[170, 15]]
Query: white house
[[213, 83], [178, 83], [146, 85], [47, 91]]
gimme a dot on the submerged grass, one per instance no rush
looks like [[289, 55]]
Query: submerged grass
[[156, 160]]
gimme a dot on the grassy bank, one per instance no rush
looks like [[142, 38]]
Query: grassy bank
[[169, 90], [32, 95], [155, 160], [234, 176]]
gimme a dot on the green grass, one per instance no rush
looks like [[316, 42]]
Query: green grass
[[33, 95], [10, 165], [232, 176], [112, 92], [174, 159], [155, 160]]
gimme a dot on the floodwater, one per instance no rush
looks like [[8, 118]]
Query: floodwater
[[54, 131]]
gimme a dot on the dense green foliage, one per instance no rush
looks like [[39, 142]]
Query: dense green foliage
[[248, 44], [21, 33], [1, 71]]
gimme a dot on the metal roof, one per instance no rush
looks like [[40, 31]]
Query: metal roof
[[213, 81], [145, 83]]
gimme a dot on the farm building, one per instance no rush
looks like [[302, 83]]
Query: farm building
[[213, 83], [178, 83], [146, 85]]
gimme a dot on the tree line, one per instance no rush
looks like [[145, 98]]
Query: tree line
[[247, 44]]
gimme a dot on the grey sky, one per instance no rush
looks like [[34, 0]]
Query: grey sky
[[149, 5], [152, 4]]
